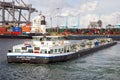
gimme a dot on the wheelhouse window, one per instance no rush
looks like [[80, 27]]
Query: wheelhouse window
[[30, 50], [37, 38], [59, 50], [17, 50], [62, 49], [24, 48], [51, 51], [55, 50], [48, 39], [41, 39], [43, 51], [36, 48]]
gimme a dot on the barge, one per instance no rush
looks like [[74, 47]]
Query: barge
[[49, 49]]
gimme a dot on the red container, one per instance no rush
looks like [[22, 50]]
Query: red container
[[115, 33], [16, 33], [1, 33], [3, 29], [7, 33]]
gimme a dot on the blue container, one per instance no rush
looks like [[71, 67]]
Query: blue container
[[16, 29], [96, 43]]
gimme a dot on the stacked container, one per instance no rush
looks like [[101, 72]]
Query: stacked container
[[16, 30], [26, 29], [3, 30]]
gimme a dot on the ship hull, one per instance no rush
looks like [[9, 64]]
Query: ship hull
[[80, 37], [54, 58]]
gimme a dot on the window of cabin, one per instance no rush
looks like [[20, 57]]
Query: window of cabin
[[55, 50], [30, 50], [43, 51], [41, 39], [36, 48], [17, 50], [59, 50], [51, 51]]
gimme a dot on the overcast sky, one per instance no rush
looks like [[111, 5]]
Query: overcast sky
[[89, 10]]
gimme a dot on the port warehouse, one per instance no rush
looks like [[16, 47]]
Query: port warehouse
[[16, 30]]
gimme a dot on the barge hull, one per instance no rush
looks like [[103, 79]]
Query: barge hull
[[38, 59]]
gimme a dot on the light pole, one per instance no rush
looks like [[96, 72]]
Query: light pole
[[57, 16], [51, 21], [78, 20], [66, 22]]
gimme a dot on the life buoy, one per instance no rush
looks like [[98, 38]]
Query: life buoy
[[36, 52]]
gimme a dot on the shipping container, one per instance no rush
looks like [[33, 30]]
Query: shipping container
[[16, 33], [26, 29], [16, 29], [5, 33], [3, 29], [1, 33]]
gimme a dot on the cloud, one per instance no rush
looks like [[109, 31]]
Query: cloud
[[49, 7], [69, 12], [52, 4], [113, 18], [75, 11], [86, 19], [89, 6]]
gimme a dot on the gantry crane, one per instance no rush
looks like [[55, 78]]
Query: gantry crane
[[11, 9]]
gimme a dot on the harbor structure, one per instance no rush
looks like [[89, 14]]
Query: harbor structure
[[14, 7]]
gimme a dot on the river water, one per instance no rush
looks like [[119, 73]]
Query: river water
[[101, 65]]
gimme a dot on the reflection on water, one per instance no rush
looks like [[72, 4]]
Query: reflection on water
[[101, 65]]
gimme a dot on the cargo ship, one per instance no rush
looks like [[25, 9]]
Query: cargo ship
[[37, 27]]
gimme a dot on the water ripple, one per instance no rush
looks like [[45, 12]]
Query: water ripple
[[102, 65]]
